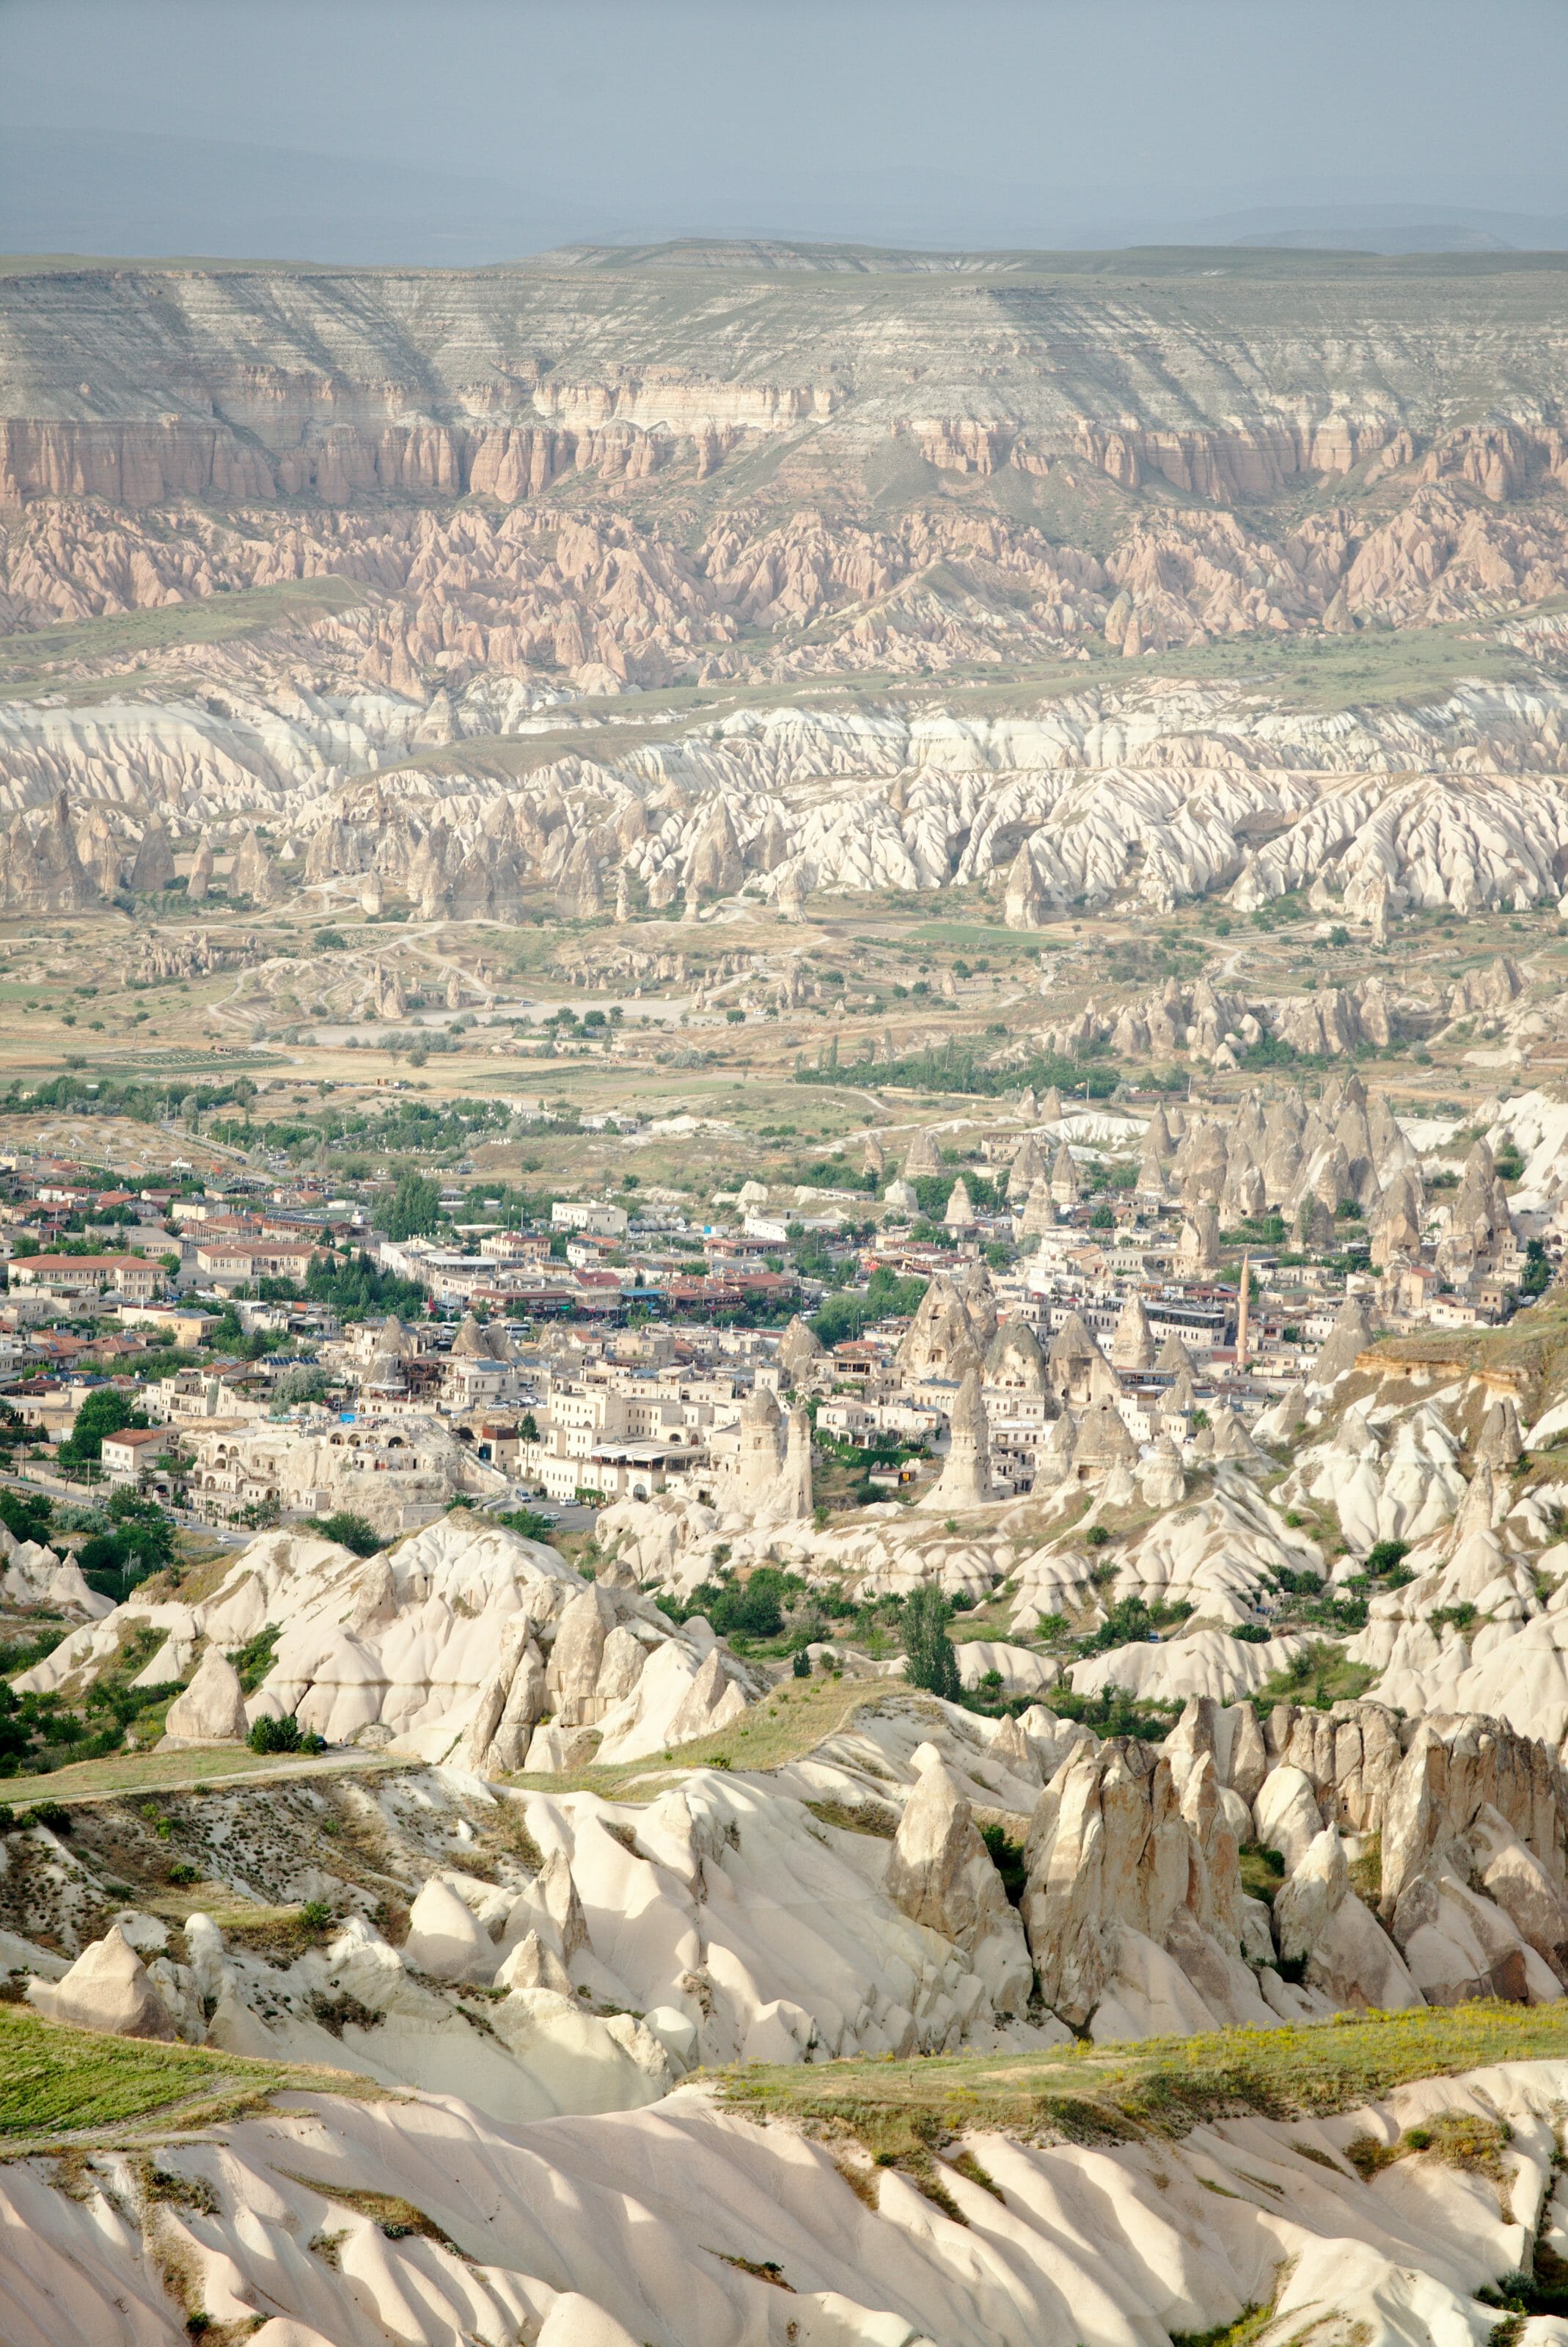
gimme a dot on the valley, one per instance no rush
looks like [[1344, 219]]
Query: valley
[[783, 1171]]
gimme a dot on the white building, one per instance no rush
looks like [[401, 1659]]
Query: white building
[[602, 1221]]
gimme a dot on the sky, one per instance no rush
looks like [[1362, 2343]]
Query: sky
[[472, 131]]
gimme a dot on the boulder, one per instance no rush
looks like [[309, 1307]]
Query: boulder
[[573, 1680], [966, 1478], [1458, 1946], [1350, 1957], [712, 1701], [108, 1988], [1107, 1847], [551, 1909], [1517, 1882], [1287, 1817], [940, 1874], [211, 1710], [509, 1701], [444, 1939], [1346, 1341], [531, 1965]]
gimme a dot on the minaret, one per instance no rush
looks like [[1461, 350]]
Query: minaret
[[1240, 1312]]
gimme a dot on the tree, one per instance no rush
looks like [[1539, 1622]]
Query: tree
[[139, 1543], [356, 1290], [105, 1410], [929, 1661], [270, 1734], [415, 1208], [528, 1429], [26, 1514], [349, 1530]]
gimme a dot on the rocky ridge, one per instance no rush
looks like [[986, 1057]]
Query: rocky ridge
[[1100, 800]]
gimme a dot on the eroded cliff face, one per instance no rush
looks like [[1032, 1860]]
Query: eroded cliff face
[[1224, 385], [1146, 461], [469, 498]]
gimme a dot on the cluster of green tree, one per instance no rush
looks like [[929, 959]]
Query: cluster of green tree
[[107, 1409], [349, 1530], [1131, 1619], [747, 1609], [529, 1521], [407, 1127], [952, 1068], [1537, 1274], [142, 1099], [1272, 1051], [1139, 961], [886, 1298], [414, 1210], [254, 1659], [1291, 907], [41, 1732], [82, 1218], [136, 1542], [752, 1312], [1114, 1712], [929, 1661], [357, 1289], [282, 1734], [833, 1173], [934, 1190], [26, 1517]]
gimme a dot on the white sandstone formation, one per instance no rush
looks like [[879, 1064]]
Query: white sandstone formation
[[108, 1988], [414, 1646], [211, 1710], [580, 2232], [965, 1481]]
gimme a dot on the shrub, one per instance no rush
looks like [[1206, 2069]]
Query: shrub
[[253, 1660], [349, 1530], [802, 1664], [1385, 1554], [1008, 1857], [270, 1734], [530, 1522], [1096, 1536]]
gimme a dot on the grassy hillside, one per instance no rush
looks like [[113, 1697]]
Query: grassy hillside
[[1097, 2094], [59, 2084]]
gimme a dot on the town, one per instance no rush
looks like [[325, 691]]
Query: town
[[950, 1314]]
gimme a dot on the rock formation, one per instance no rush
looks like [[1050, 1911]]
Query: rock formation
[[211, 1710], [940, 1874], [965, 1481]]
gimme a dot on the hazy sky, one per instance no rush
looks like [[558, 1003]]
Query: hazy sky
[[473, 130]]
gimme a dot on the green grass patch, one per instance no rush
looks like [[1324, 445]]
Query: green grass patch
[[902, 2111], [789, 1722], [1318, 1679], [209, 619], [1454, 2138], [57, 2082], [153, 1772]]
